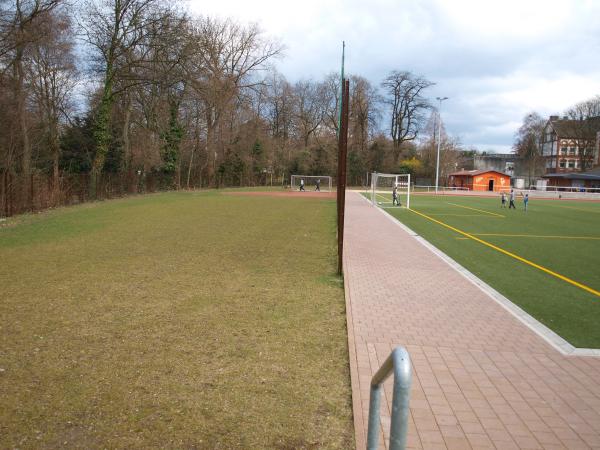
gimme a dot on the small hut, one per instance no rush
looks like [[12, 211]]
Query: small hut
[[480, 180]]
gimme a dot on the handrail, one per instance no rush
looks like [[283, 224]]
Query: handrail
[[399, 363]]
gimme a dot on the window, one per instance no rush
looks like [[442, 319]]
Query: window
[[572, 150], [562, 163], [571, 164], [563, 150]]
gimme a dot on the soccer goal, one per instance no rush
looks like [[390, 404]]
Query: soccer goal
[[311, 182], [382, 188]]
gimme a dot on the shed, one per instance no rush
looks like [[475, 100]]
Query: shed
[[480, 180]]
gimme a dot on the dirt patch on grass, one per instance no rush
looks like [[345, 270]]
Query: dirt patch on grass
[[287, 194]]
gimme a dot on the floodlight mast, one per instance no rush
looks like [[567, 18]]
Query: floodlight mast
[[437, 164]]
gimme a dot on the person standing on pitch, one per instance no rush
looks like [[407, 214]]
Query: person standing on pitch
[[302, 185], [511, 204], [503, 200], [525, 201], [395, 201], [318, 185]]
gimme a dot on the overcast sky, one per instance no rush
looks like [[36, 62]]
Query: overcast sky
[[495, 60]]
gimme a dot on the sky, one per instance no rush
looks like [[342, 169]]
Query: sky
[[496, 61]]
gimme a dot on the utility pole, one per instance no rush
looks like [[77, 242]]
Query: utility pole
[[437, 164], [341, 175]]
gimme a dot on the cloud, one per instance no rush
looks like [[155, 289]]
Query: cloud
[[496, 61]]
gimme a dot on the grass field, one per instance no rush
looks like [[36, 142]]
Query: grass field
[[178, 320], [560, 236]]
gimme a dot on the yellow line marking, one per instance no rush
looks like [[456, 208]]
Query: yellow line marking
[[579, 209], [537, 236], [387, 200], [460, 215], [512, 255], [475, 209]]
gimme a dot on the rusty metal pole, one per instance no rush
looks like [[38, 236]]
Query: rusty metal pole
[[341, 178]]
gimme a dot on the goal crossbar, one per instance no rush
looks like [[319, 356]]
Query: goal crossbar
[[324, 182]]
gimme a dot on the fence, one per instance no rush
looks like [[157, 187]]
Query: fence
[[563, 193], [419, 188], [39, 191], [552, 192], [547, 188]]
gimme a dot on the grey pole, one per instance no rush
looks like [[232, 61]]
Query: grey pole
[[399, 363], [437, 164]]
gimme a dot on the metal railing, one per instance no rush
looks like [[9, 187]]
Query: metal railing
[[580, 189], [399, 363], [423, 188]]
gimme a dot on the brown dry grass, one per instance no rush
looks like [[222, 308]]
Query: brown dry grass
[[179, 320]]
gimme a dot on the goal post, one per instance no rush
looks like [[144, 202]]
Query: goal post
[[382, 188], [311, 182]]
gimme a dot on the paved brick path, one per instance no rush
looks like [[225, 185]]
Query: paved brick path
[[481, 379]]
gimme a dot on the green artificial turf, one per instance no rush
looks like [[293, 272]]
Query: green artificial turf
[[176, 320], [540, 238]]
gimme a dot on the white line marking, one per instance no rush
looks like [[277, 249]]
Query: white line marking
[[556, 341]]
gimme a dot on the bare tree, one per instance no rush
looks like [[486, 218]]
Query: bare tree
[[115, 29], [17, 26], [364, 113], [280, 107], [528, 143], [586, 109], [227, 56], [279, 114], [331, 99], [585, 129], [181, 99], [18, 32], [54, 77], [310, 109], [404, 95], [170, 50], [427, 147]]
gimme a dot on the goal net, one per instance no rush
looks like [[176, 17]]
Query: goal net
[[382, 189], [311, 182]]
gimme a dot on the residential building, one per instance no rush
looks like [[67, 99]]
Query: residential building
[[570, 145]]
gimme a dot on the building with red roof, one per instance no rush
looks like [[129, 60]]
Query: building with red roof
[[480, 180]]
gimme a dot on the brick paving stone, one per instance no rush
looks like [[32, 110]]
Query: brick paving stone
[[481, 379]]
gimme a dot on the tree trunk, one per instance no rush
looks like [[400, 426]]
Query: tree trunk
[[396, 151], [21, 99], [126, 163], [55, 148], [210, 152], [101, 136], [178, 175], [190, 166]]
